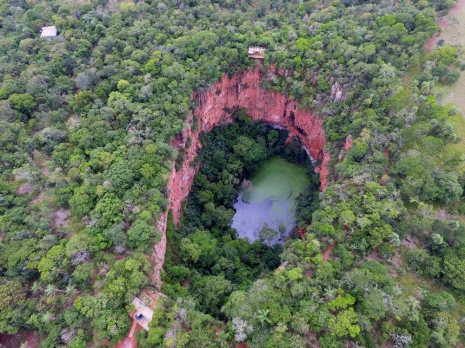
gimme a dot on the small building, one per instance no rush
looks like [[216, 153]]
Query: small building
[[143, 313], [48, 31], [256, 52]]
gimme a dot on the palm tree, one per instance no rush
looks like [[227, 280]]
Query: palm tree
[[46, 317], [70, 288], [413, 304], [54, 271], [222, 338], [330, 293], [395, 239], [414, 316], [438, 337], [50, 290], [262, 316], [420, 293], [35, 287], [437, 239], [454, 225], [396, 290]]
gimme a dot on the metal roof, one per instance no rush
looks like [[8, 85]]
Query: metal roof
[[48, 31], [256, 52]]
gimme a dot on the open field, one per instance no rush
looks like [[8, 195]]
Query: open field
[[453, 33]]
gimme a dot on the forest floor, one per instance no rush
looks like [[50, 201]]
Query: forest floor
[[453, 33]]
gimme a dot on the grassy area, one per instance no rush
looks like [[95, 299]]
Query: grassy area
[[277, 179], [413, 71], [411, 285], [454, 34]]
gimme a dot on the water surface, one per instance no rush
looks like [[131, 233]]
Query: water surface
[[271, 202]]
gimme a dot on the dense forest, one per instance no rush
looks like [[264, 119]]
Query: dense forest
[[87, 120]]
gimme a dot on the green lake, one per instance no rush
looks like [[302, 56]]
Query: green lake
[[270, 201]]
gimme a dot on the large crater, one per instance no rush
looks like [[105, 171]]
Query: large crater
[[214, 107]]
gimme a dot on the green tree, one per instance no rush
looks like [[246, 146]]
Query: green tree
[[141, 233], [120, 177], [49, 264], [108, 211], [302, 44], [15, 308], [82, 201], [22, 102], [344, 323], [213, 292], [267, 234], [454, 268]]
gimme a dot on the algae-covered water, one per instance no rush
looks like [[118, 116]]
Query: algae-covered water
[[270, 202]]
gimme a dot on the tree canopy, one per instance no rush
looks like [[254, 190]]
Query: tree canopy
[[91, 127]]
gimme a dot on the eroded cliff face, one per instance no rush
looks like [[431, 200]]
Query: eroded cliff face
[[243, 90], [214, 108]]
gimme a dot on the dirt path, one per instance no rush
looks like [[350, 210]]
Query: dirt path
[[327, 253]]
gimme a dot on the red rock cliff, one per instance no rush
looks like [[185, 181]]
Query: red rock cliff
[[241, 90]]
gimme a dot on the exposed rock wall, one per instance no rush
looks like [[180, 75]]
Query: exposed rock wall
[[214, 108]]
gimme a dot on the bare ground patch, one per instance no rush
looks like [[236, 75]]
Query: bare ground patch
[[409, 242], [61, 218], [25, 189], [39, 197]]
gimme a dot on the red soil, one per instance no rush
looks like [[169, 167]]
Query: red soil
[[327, 253], [430, 44], [129, 342], [302, 234], [348, 143], [443, 24]]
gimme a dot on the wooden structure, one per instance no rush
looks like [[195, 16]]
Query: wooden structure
[[256, 52], [48, 31]]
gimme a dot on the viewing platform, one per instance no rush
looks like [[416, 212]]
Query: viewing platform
[[256, 52]]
